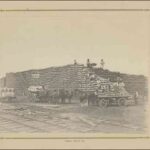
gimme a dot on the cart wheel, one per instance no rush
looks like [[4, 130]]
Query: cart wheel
[[103, 102], [121, 102]]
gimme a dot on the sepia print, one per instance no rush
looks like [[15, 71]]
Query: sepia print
[[78, 71]]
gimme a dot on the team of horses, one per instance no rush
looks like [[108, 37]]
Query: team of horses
[[55, 96], [64, 96]]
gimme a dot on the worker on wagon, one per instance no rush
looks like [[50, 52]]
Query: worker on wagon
[[136, 97], [96, 93]]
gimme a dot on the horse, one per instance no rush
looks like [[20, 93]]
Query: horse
[[83, 96], [54, 96], [92, 98], [69, 95], [42, 96], [64, 95]]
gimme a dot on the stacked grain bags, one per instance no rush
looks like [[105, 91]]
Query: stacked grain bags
[[71, 77]]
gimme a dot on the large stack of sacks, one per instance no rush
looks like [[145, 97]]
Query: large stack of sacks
[[63, 77], [21, 83], [74, 76]]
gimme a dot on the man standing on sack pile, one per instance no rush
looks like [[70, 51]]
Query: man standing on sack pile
[[136, 97]]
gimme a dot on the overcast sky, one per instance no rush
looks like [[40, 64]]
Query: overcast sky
[[34, 40]]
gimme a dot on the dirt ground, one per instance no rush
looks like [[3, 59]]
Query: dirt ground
[[38, 117]]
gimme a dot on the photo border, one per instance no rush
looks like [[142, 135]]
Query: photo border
[[95, 10]]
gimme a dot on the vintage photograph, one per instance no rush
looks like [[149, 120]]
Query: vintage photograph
[[74, 71]]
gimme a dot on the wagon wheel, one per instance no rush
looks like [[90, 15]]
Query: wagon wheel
[[103, 102], [121, 102]]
